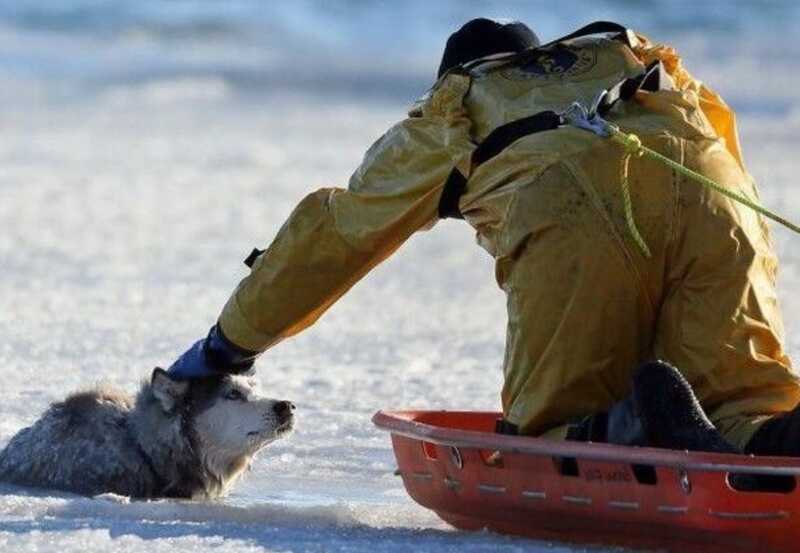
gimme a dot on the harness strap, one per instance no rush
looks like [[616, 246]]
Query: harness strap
[[454, 188], [504, 135], [654, 78]]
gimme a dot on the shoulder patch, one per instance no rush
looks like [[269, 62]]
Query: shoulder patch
[[557, 62]]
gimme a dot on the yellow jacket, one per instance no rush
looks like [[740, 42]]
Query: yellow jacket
[[585, 306]]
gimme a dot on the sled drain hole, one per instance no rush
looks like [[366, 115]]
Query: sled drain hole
[[645, 474], [762, 483], [429, 450], [567, 466]]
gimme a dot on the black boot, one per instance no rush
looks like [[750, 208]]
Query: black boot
[[670, 415], [662, 411], [619, 426], [624, 427]]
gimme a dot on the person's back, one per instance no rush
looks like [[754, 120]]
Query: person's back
[[594, 290], [586, 304]]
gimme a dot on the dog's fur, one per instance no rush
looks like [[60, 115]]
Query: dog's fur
[[189, 439]]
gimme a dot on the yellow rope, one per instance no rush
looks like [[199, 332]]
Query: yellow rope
[[633, 147]]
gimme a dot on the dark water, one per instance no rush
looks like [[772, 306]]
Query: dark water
[[370, 49]]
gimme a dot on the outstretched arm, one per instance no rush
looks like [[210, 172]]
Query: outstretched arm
[[335, 236]]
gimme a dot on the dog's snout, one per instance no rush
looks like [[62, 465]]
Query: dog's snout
[[284, 409]]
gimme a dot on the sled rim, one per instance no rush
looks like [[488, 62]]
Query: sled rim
[[407, 424]]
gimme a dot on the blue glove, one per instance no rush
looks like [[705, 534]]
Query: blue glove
[[214, 355]]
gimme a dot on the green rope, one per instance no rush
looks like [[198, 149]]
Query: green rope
[[627, 203], [633, 147]]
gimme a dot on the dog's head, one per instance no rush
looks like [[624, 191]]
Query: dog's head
[[228, 419]]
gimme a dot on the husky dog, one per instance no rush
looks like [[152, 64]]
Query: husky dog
[[183, 439]]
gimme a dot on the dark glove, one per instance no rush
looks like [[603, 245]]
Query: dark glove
[[213, 355]]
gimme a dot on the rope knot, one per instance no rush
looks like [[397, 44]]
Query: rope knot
[[633, 144]]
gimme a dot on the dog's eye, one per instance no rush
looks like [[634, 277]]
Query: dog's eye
[[235, 395]]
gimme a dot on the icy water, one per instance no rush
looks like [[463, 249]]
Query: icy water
[[146, 147]]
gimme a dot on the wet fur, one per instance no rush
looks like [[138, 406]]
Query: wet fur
[[168, 441]]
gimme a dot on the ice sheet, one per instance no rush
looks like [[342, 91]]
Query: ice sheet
[[132, 188]]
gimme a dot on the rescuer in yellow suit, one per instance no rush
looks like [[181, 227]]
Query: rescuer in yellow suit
[[586, 306]]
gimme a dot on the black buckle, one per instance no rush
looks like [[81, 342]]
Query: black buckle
[[653, 79]]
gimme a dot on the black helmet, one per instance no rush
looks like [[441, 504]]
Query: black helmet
[[483, 37]]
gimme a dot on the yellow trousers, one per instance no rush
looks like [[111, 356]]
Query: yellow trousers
[[586, 308]]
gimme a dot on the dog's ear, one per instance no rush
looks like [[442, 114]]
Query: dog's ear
[[167, 391]]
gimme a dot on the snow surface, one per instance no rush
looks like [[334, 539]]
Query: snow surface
[[127, 211]]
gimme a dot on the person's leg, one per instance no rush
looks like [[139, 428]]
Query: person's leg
[[779, 436], [720, 322], [578, 323]]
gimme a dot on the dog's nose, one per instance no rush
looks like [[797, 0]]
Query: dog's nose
[[284, 409]]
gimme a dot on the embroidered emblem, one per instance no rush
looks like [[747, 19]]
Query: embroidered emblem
[[556, 63]]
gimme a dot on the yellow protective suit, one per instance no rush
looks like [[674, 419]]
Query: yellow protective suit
[[585, 307]]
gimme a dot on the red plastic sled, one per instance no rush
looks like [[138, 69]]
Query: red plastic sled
[[454, 463]]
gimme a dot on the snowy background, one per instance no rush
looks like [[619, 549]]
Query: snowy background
[[146, 146]]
